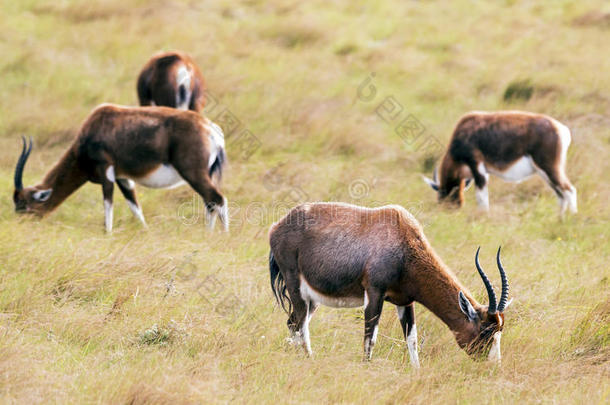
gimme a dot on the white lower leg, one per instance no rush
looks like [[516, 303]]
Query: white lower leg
[[373, 340], [210, 216], [137, 212], [223, 213], [482, 196], [305, 333], [220, 211], [369, 343], [494, 353], [412, 345], [108, 215], [563, 204], [570, 195]]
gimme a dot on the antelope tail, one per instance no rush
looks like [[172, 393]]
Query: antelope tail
[[219, 163], [278, 285], [183, 81]]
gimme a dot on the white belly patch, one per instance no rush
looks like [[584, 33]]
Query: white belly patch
[[309, 294], [520, 170], [164, 176]]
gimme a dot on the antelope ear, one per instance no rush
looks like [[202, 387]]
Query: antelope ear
[[468, 184], [42, 195], [467, 308], [431, 183]]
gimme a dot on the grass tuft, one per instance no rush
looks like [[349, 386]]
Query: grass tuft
[[160, 335], [346, 49], [519, 90], [591, 336], [176, 314], [594, 18], [292, 36]]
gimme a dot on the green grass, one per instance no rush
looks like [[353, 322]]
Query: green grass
[[177, 314]]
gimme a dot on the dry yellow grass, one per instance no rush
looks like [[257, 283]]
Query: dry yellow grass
[[176, 314]]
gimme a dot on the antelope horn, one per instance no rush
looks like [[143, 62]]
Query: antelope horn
[[490, 290], [504, 295], [25, 152]]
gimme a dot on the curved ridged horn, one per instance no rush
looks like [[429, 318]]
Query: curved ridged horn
[[490, 290], [504, 295], [25, 152]]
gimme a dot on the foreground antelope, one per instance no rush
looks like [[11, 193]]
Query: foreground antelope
[[172, 79], [342, 255], [156, 147], [512, 145]]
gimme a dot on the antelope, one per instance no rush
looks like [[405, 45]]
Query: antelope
[[157, 147], [172, 79], [342, 255], [512, 145]]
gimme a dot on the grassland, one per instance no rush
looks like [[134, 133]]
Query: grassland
[[176, 314]]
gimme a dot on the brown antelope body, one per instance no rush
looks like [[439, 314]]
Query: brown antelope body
[[172, 79], [342, 255], [156, 147], [512, 145]]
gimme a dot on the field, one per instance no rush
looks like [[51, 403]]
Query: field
[[319, 101]]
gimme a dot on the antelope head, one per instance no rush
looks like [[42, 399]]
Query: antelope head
[[28, 199], [482, 337], [450, 188]]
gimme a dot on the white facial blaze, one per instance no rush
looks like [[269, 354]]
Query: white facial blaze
[[42, 195], [494, 352], [431, 183]]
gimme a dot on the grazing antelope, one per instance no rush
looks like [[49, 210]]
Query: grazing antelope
[[156, 147], [342, 255], [512, 145], [172, 79]]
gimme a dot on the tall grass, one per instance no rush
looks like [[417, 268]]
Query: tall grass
[[177, 314]]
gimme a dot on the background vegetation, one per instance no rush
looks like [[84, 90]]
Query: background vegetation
[[176, 314]]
